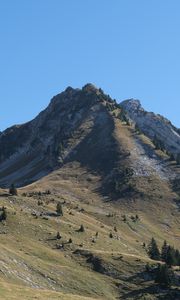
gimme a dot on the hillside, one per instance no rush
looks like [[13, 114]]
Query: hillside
[[109, 177]]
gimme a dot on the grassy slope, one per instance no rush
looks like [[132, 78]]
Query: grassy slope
[[32, 267]]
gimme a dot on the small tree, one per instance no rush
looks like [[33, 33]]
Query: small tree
[[171, 157], [81, 229], [164, 276], [111, 235], [115, 228], [13, 190], [58, 236], [164, 251], [137, 129], [137, 217], [177, 257], [3, 216], [178, 159], [59, 209], [153, 250], [170, 255], [124, 218], [170, 259]]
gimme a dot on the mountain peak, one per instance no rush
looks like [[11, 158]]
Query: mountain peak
[[44, 143], [155, 126], [132, 105], [89, 87]]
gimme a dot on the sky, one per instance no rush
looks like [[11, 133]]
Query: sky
[[129, 48]]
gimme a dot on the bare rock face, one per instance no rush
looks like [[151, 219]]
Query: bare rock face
[[154, 126]]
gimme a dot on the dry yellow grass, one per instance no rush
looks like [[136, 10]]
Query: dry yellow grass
[[33, 268]]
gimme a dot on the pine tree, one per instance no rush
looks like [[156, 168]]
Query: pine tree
[[3, 216], [59, 209], [153, 250], [81, 229], [170, 256], [111, 235], [164, 276], [58, 236], [13, 190], [178, 158], [164, 251], [177, 257]]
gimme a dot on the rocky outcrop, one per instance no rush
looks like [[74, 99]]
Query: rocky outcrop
[[156, 127]]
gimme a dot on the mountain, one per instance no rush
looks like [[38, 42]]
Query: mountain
[[74, 121], [156, 127], [78, 122], [114, 172]]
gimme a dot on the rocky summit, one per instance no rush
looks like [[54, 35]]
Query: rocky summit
[[156, 127], [90, 202]]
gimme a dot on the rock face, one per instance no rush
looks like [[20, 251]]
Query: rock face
[[156, 127], [67, 129]]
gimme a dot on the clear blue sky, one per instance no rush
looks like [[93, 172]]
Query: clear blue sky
[[130, 48]]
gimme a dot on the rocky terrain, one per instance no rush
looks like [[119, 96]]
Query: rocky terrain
[[154, 126], [99, 161]]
